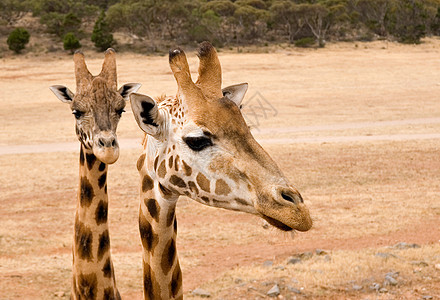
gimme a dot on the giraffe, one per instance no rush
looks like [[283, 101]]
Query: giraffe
[[197, 144], [97, 107]]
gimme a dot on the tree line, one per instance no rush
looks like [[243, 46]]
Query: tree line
[[230, 23]]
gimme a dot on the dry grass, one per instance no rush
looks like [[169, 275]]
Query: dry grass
[[363, 195]]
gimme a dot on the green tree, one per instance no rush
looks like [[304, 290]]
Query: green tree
[[322, 16], [412, 19], [70, 42], [374, 14], [18, 39], [11, 10], [288, 15], [102, 36]]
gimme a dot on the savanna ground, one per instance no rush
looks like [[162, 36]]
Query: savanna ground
[[356, 127]]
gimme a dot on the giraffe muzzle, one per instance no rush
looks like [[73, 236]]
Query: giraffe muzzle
[[106, 147]]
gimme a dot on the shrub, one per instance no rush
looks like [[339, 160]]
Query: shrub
[[101, 35], [70, 42], [305, 42], [18, 39]]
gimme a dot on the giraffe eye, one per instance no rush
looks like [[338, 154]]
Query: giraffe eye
[[198, 143], [78, 114]]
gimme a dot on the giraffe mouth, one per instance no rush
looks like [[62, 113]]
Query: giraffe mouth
[[277, 223]]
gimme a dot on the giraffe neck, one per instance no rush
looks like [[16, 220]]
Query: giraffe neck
[[162, 275], [93, 275]]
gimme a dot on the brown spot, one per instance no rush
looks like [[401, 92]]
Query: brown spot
[[205, 199], [107, 269], [87, 286], [176, 163], [140, 161], [148, 237], [104, 244], [221, 187], [170, 162], [91, 158], [102, 167], [170, 216], [153, 208], [193, 187], [86, 192], [177, 181], [156, 160], [102, 180], [147, 183], [203, 182], [83, 241], [109, 294], [168, 256], [151, 286], [176, 281], [101, 212], [162, 170], [187, 169], [81, 157]]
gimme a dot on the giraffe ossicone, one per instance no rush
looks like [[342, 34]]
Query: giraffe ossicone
[[198, 145], [97, 106]]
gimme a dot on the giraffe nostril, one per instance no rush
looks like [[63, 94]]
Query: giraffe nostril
[[113, 142], [292, 196], [101, 143], [287, 197]]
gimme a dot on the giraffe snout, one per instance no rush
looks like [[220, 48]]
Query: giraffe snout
[[106, 147]]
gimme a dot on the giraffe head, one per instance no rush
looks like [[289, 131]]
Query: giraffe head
[[97, 106], [200, 146]]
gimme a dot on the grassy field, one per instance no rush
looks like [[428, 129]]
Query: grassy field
[[355, 127]]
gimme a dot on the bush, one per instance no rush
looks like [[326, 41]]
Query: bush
[[101, 35], [305, 42], [18, 39], [70, 42]]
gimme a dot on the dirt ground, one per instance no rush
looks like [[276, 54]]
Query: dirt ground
[[356, 127]]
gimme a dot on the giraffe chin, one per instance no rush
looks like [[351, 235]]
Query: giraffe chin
[[107, 155], [300, 220]]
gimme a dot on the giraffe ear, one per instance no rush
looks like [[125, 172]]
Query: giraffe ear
[[127, 89], [147, 114], [235, 92], [62, 92]]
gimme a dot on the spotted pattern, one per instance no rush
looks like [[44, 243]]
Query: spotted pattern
[[170, 162], [176, 281], [101, 167], [101, 212], [91, 159], [147, 183], [83, 241], [193, 187], [221, 187], [153, 208], [161, 171], [102, 180], [87, 286], [107, 269], [86, 192], [151, 286], [203, 182], [104, 244], [148, 237], [141, 161], [176, 163], [187, 169], [168, 256], [177, 181]]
